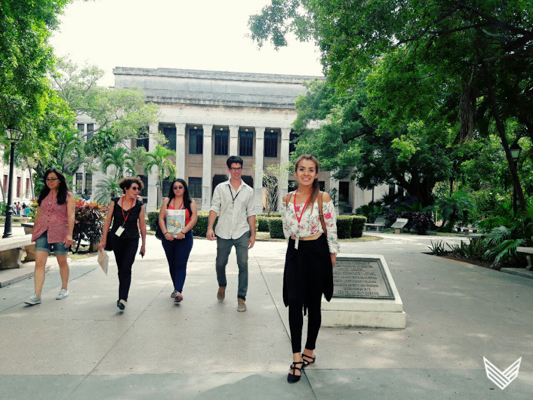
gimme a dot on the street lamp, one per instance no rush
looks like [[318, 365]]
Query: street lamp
[[157, 186], [515, 155], [13, 137]]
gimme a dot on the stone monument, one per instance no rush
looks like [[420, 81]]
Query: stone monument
[[365, 294]]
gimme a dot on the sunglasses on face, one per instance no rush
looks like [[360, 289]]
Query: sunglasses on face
[[178, 187], [51, 179], [236, 169], [135, 188]]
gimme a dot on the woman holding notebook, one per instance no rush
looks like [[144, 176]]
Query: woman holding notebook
[[177, 217]]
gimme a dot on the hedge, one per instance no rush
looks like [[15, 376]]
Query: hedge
[[153, 216], [358, 226], [275, 227], [262, 223], [344, 226]]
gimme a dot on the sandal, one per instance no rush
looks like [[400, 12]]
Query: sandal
[[293, 378], [307, 362]]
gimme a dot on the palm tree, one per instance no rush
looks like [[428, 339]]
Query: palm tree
[[159, 158], [107, 189], [136, 157], [115, 157]]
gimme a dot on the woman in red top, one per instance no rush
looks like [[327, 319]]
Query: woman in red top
[[178, 246], [52, 231]]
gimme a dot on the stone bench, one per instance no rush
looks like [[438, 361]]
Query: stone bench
[[528, 251], [378, 223], [12, 249]]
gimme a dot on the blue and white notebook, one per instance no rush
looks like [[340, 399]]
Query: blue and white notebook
[[175, 221]]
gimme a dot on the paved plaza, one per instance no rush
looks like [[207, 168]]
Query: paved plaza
[[85, 348]]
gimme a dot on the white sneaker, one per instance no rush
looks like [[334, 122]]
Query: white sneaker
[[63, 294], [33, 300]]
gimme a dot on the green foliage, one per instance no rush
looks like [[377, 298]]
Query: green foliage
[[358, 226], [275, 227], [200, 228], [371, 211], [165, 167], [262, 223], [344, 226], [153, 219], [476, 250], [437, 248], [89, 223], [419, 221], [455, 208], [107, 189]]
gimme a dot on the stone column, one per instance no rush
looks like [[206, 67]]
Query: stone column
[[152, 175], [180, 150], [233, 140], [258, 180], [283, 184], [206, 175]]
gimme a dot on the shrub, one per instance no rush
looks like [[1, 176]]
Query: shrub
[[358, 226], [275, 227], [419, 221], [200, 229], [89, 221], [262, 223], [344, 226], [153, 216], [437, 248]]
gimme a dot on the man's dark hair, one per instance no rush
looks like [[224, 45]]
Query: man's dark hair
[[234, 160]]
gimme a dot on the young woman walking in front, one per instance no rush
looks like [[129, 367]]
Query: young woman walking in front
[[127, 214], [178, 247], [310, 259], [52, 231]]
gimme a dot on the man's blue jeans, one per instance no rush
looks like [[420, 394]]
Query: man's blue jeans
[[223, 251]]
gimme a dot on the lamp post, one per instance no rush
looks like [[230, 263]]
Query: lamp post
[[515, 155], [157, 186], [12, 136], [373, 182]]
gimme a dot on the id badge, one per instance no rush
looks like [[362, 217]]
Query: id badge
[[296, 242], [119, 231]]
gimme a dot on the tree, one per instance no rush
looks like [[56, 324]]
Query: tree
[[107, 189], [486, 46], [274, 174], [159, 158], [117, 158]]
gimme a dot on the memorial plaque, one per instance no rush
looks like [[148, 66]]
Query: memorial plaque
[[361, 278]]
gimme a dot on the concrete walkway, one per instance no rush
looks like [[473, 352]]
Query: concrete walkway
[[84, 348]]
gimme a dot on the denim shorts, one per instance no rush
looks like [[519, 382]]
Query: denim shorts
[[41, 244]]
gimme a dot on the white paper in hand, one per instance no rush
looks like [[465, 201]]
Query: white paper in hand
[[103, 260]]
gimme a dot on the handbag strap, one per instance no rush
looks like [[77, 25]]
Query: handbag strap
[[321, 212]]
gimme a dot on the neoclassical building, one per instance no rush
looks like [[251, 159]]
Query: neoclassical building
[[207, 116]]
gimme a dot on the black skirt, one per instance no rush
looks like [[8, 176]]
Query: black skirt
[[308, 272]]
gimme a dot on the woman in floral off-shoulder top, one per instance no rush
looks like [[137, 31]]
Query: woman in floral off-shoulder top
[[310, 258], [52, 231]]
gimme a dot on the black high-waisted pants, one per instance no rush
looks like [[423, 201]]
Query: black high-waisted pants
[[125, 251], [308, 275]]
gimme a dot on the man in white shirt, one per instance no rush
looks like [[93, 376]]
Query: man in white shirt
[[234, 201]]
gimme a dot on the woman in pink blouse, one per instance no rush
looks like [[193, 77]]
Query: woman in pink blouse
[[52, 231], [310, 259]]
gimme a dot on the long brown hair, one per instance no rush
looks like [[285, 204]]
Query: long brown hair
[[316, 186]]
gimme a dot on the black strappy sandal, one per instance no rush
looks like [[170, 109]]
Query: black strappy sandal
[[293, 378], [307, 362]]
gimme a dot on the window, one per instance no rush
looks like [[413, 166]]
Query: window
[[18, 186], [292, 142], [292, 186], [90, 130], [79, 182], [271, 144], [344, 191], [144, 192], [195, 187], [221, 143], [5, 183], [27, 188], [89, 184], [246, 144], [81, 129], [166, 187], [143, 140], [196, 141], [170, 135]]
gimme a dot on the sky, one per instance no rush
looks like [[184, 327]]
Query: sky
[[185, 34]]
